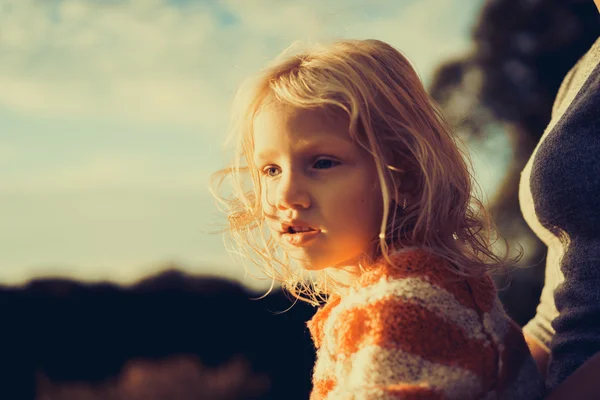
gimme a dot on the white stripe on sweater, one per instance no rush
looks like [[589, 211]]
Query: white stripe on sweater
[[374, 366], [361, 394], [414, 290], [496, 322], [325, 365]]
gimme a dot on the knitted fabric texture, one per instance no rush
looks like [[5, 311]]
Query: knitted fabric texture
[[417, 330], [560, 200]]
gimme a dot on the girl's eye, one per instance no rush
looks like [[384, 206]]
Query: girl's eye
[[271, 171], [325, 163]]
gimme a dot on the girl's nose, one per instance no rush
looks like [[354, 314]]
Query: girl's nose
[[292, 193]]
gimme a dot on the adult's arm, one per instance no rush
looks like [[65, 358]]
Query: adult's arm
[[539, 352], [583, 384]]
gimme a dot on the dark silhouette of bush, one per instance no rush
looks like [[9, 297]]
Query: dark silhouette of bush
[[74, 333]]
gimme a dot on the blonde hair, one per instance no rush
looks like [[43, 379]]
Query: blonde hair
[[390, 116]]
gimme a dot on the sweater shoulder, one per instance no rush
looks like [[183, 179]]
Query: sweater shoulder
[[418, 267]]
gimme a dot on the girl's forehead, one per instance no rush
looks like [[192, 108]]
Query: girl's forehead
[[281, 118]]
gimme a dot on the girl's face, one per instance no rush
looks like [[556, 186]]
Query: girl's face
[[320, 191]]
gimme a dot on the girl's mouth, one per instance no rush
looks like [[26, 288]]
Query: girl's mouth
[[300, 236], [298, 229]]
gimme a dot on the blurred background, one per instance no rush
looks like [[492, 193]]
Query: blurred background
[[113, 115]]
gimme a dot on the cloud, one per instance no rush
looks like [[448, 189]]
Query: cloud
[[155, 61], [7, 154], [107, 173], [128, 60], [112, 109]]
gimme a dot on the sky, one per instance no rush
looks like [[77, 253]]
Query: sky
[[113, 115]]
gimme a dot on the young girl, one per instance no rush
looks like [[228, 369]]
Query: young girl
[[347, 171]]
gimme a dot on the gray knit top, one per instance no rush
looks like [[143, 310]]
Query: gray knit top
[[559, 195]]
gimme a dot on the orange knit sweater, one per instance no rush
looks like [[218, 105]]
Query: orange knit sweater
[[419, 331]]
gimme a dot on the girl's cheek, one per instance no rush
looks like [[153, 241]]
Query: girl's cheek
[[264, 201], [267, 197]]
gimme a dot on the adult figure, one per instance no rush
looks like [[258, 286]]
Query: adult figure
[[559, 195]]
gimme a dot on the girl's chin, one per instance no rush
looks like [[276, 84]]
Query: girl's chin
[[315, 263], [311, 266]]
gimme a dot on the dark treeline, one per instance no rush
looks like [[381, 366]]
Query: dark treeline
[[59, 334]]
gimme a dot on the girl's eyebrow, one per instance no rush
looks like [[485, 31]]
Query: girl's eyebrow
[[308, 146], [265, 154]]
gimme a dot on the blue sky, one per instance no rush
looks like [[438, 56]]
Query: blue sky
[[113, 115]]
